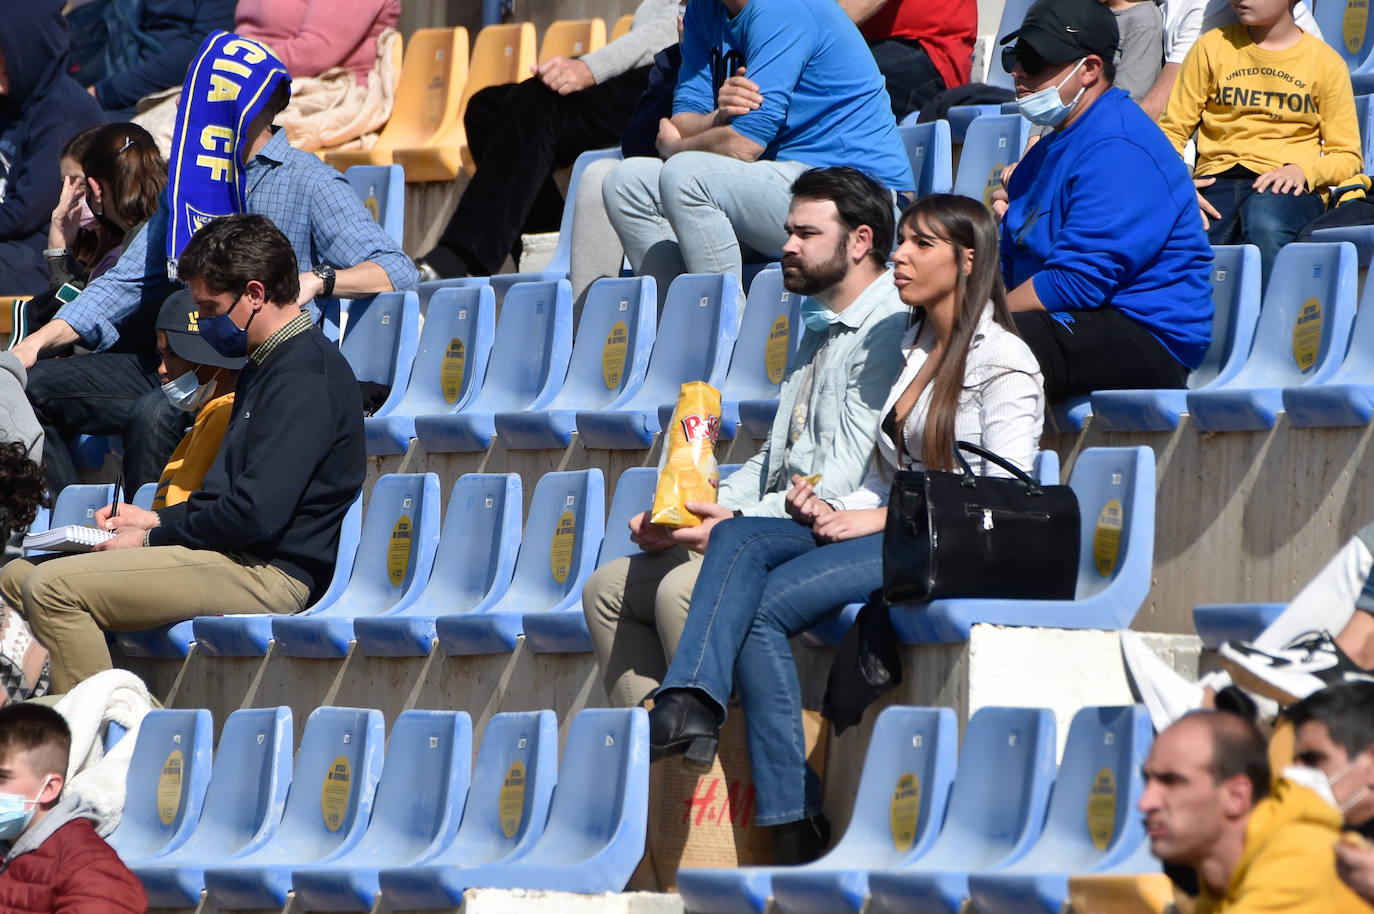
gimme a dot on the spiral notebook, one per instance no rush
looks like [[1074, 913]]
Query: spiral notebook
[[68, 538]]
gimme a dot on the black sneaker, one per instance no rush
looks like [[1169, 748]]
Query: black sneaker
[[1307, 664]]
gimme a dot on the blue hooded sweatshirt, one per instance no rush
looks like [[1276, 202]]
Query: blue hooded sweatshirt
[[1103, 214], [43, 109]]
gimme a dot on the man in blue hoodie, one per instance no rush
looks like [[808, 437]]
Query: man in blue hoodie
[[41, 108], [1103, 253]]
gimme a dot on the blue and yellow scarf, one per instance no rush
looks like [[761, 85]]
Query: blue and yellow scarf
[[227, 86]]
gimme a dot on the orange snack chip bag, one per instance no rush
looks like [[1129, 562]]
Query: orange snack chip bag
[[691, 472]]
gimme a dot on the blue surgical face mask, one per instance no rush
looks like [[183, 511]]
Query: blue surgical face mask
[[1045, 108], [187, 393], [16, 812], [816, 316], [224, 336]]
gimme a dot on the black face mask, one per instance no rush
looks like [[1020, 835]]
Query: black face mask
[[109, 224]]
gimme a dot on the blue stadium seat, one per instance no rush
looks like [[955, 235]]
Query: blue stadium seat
[[450, 365], [1067, 417], [1236, 308], [394, 559], [1116, 502], [695, 336], [634, 492], [326, 813], [756, 417], [993, 142], [166, 782], [1304, 326], [1364, 110], [1136, 885], [1348, 34], [830, 631], [517, 762], [1346, 397], [903, 788], [610, 355], [1013, 12], [418, 806], [558, 551], [1217, 623], [928, 148], [598, 820], [561, 261], [382, 188], [529, 361], [248, 634], [75, 504], [88, 451], [1092, 823], [961, 117], [995, 814], [379, 341], [243, 806], [145, 495], [767, 337], [472, 567]]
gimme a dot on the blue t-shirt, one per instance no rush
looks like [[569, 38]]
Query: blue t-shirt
[[824, 101], [1104, 215]]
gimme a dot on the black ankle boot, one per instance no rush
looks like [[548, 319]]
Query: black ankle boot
[[684, 721], [800, 842]]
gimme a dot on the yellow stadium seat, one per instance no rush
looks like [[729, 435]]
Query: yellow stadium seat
[[622, 25], [573, 38], [1104, 894], [428, 98], [501, 54]]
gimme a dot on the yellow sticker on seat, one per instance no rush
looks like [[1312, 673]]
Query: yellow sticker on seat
[[1354, 24], [169, 787], [775, 350], [511, 802], [1102, 809], [1307, 334], [1107, 537], [334, 794], [994, 183], [451, 370], [398, 551], [561, 551], [613, 354], [370, 204], [906, 811]]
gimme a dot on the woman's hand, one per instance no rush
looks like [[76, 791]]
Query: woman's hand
[[66, 216], [803, 504], [848, 525]]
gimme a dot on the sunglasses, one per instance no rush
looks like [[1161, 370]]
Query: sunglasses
[[1031, 62]]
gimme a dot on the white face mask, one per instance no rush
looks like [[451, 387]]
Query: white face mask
[[1045, 108], [187, 393], [1324, 785]]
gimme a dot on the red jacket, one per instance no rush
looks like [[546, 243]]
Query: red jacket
[[73, 872]]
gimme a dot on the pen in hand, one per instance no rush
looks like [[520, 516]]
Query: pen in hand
[[114, 507]]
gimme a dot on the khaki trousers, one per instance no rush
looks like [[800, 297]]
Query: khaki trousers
[[636, 608], [70, 602]]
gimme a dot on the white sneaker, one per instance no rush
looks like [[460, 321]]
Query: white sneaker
[[1166, 693], [1307, 664]]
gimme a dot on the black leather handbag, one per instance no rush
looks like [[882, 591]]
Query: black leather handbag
[[961, 535]]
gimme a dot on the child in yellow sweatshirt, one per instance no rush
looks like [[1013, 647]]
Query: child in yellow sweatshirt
[[1275, 119]]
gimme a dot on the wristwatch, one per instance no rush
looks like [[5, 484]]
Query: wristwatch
[[326, 273]]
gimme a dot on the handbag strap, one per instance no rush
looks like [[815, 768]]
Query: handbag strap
[[1032, 486]]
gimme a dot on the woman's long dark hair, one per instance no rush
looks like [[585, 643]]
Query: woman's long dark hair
[[130, 169], [968, 226]]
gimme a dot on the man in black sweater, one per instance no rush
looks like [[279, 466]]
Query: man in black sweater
[[262, 532]]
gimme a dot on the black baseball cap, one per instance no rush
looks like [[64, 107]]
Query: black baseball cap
[[179, 319], [1063, 30]]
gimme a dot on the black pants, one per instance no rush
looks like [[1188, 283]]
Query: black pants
[[519, 134], [110, 393], [911, 78], [1099, 349]]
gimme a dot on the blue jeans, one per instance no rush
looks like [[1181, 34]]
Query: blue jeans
[[763, 581], [1264, 219]]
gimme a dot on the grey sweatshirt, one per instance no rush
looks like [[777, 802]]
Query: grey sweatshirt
[[654, 28], [17, 421]]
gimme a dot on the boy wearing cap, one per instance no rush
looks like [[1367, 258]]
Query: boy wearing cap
[[1275, 119], [1108, 278], [195, 379]]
